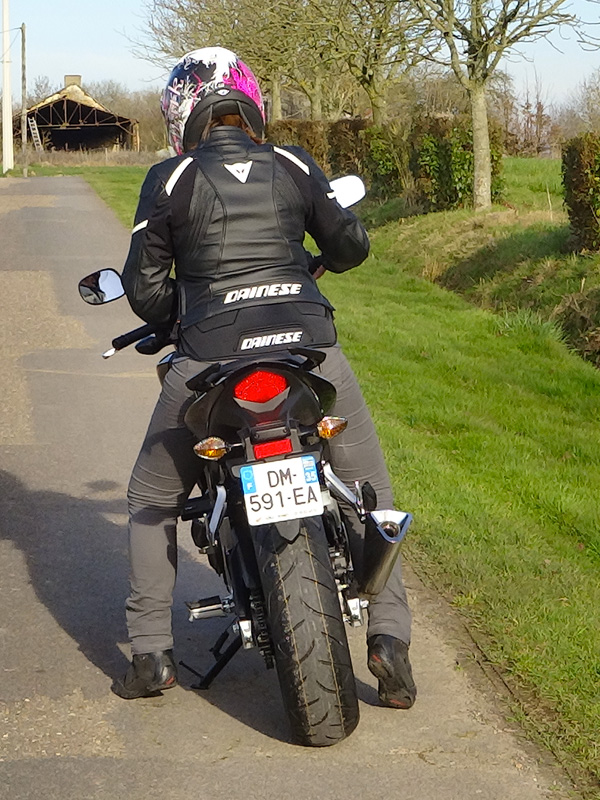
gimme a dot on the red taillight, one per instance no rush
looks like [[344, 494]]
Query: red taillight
[[260, 387], [277, 448]]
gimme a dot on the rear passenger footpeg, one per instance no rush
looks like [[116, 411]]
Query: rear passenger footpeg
[[214, 606]]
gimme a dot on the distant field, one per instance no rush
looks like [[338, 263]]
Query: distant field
[[533, 183], [491, 429]]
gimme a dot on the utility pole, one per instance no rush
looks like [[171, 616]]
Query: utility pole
[[23, 101], [8, 161]]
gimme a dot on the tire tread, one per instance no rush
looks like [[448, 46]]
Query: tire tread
[[311, 649]]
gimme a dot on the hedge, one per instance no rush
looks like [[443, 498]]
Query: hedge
[[581, 179], [430, 164]]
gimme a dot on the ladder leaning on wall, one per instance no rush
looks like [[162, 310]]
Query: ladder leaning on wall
[[35, 134]]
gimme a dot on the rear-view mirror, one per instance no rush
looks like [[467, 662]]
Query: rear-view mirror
[[101, 287]]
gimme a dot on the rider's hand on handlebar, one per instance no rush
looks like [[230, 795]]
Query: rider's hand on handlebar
[[315, 265]]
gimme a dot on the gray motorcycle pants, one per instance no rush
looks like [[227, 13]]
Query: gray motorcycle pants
[[165, 474]]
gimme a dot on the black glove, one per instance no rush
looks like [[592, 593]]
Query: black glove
[[154, 343], [314, 262]]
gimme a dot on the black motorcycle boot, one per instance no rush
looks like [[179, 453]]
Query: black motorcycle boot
[[147, 675], [388, 661]]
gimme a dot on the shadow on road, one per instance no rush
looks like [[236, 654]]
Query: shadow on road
[[77, 563], [78, 567]]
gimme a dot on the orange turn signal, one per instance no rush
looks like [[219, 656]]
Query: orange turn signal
[[331, 426], [212, 448]]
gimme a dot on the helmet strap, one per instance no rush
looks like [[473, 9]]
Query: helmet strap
[[244, 116], [208, 125]]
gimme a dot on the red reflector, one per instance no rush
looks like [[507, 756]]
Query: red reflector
[[277, 448], [260, 387]]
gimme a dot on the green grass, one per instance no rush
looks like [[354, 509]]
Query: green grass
[[533, 183], [518, 256], [120, 188], [492, 434], [491, 428]]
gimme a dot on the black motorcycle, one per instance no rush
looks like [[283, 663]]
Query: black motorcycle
[[268, 520]]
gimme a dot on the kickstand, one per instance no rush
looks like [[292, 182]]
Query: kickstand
[[222, 660]]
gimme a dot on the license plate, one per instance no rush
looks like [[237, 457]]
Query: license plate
[[279, 490]]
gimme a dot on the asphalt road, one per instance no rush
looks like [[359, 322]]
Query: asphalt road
[[70, 427]]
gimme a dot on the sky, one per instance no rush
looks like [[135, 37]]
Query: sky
[[78, 37], [93, 40]]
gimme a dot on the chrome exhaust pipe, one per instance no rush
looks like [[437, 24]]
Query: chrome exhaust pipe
[[384, 531]]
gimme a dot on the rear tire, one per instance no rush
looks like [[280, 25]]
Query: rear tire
[[308, 634]]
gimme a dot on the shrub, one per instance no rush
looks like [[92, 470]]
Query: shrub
[[581, 179], [347, 147], [308, 134], [578, 315], [442, 162], [388, 160]]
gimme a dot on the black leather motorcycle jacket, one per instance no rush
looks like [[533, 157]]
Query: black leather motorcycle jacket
[[230, 217]]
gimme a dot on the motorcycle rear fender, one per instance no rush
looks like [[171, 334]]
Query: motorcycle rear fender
[[216, 413], [297, 358], [241, 563], [287, 529]]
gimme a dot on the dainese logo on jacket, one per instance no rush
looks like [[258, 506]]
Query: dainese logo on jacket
[[264, 291], [270, 340]]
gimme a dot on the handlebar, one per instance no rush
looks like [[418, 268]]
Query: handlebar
[[119, 342], [126, 339]]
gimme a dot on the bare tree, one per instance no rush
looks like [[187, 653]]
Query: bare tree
[[309, 44], [582, 112], [112, 94], [145, 107], [142, 105], [535, 123], [279, 43], [436, 91], [504, 107], [476, 35], [42, 88], [371, 39]]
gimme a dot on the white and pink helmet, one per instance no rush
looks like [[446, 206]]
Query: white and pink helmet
[[208, 83]]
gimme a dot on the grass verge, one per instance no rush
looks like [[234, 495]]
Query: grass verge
[[518, 256], [492, 434]]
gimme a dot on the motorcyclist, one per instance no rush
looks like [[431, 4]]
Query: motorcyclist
[[230, 212]]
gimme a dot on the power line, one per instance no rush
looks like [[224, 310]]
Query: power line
[[5, 53]]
